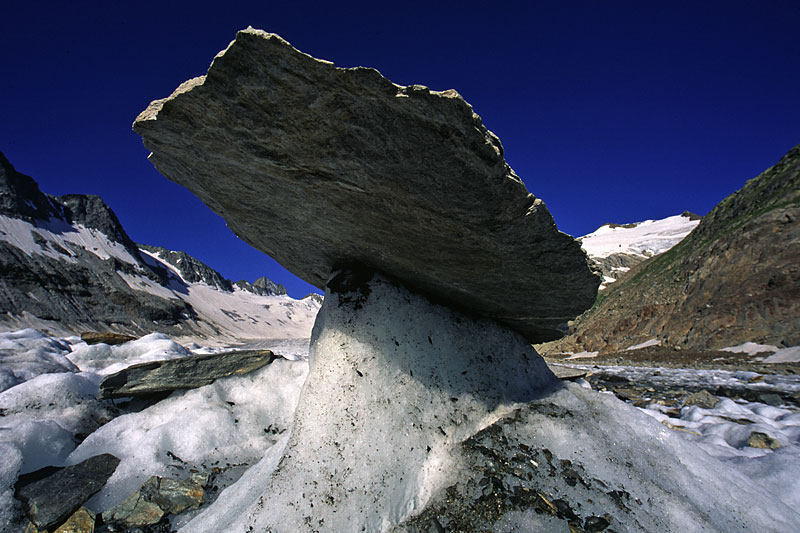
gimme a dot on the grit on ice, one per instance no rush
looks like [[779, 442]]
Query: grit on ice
[[51, 416]]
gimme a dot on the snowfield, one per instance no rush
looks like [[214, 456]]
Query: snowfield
[[243, 424], [58, 240], [644, 239]]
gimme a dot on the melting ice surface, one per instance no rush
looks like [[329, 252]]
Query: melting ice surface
[[49, 404]]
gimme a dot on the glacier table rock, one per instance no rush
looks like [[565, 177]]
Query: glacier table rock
[[323, 167]]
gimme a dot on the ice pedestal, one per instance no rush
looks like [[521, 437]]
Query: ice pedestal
[[396, 382]]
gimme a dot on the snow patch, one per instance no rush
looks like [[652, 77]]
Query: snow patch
[[751, 348], [645, 344], [58, 240], [785, 355], [583, 355]]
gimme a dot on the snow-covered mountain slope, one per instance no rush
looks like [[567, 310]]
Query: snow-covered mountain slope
[[618, 247], [647, 238], [67, 266], [231, 314]]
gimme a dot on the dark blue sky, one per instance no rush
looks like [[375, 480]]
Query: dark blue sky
[[610, 111]]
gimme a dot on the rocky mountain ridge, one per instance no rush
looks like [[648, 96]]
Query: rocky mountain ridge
[[734, 279], [68, 265]]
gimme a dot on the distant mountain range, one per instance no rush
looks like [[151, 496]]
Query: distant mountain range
[[735, 278], [67, 265]]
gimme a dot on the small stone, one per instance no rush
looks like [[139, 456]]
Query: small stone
[[564, 510], [627, 394], [567, 373], [175, 497], [702, 399], [82, 521], [761, 440], [595, 523], [543, 505], [134, 511], [773, 400]]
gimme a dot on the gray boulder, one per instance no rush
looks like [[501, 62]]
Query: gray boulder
[[186, 373], [49, 496], [323, 167]]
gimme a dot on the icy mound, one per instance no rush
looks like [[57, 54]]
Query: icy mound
[[592, 457], [232, 421], [104, 359], [27, 353]]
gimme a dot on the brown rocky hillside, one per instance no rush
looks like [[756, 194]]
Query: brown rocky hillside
[[735, 278]]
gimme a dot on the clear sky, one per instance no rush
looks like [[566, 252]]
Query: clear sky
[[610, 111]]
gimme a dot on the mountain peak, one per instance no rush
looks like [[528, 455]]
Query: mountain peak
[[20, 196]]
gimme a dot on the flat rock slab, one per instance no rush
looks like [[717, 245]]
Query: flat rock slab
[[185, 373], [112, 339], [323, 167], [51, 495]]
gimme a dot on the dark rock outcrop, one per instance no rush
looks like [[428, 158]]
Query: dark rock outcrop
[[323, 167], [262, 286], [87, 293], [49, 496], [192, 270], [92, 212], [20, 196], [185, 373], [735, 278]]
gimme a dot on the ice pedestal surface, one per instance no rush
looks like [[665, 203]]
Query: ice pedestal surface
[[395, 384]]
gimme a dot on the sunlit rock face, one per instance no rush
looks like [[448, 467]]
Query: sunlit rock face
[[322, 167], [734, 279], [396, 383]]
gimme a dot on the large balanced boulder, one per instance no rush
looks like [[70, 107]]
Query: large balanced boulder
[[323, 167]]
